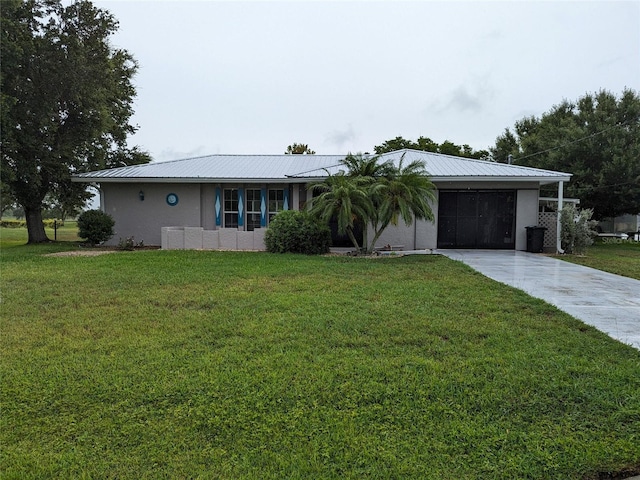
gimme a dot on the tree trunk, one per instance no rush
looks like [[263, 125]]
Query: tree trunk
[[365, 227], [353, 239], [376, 236], [35, 227]]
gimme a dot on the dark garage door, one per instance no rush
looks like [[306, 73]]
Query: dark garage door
[[476, 219]]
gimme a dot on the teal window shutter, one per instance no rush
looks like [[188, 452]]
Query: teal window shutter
[[241, 207], [263, 207], [218, 207]]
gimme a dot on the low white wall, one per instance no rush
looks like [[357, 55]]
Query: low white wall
[[197, 238], [210, 239], [258, 239], [193, 238]]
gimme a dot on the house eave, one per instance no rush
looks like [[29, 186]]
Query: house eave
[[189, 180], [542, 180], [518, 179]]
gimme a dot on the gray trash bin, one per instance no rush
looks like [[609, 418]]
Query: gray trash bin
[[535, 239]]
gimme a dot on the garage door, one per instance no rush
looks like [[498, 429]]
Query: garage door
[[476, 219]]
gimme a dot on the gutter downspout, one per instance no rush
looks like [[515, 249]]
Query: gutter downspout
[[558, 227]]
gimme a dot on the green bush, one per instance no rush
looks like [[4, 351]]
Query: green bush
[[297, 232], [13, 223], [95, 226], [578, 230], [49, 223]]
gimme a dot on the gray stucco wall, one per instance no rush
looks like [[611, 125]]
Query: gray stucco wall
[[420, 235], [207, 207], [396, 236], [144, 219]]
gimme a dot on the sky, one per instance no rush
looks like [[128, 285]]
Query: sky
[[344, 76]]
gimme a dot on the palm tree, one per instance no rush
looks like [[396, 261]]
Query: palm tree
[[370, 170], [366, 166], [405, 193], [374, 193], [347, 199]]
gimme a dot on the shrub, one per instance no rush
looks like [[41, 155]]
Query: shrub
[[578, 230], [129, 243], [51, 223], [297, 232], [13, 223], [95, 226], [48, 223]]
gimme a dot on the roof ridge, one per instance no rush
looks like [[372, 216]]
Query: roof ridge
[[287, 155]]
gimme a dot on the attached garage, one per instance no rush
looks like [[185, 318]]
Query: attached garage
[[477, 219]]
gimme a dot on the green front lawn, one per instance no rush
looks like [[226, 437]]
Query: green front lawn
[[613, 256], [169, 364]]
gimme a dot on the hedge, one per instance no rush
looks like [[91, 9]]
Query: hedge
[[23, 223]]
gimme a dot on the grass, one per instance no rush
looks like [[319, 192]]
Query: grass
[[169, 364], [66, 236], [614, 256]]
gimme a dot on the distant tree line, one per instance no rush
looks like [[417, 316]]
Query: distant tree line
[[299, 149], [596, 138], [427, 145]]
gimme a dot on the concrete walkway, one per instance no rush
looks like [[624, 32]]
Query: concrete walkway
[[610, 303]]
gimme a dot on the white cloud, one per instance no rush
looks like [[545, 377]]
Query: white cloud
[[172, 154], [459, 100], [340, 138]]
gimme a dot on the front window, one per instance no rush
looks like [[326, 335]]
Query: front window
[[253, 208], [276, 202], [231, 207]]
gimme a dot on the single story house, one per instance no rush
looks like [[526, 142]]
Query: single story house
[[226, 201]]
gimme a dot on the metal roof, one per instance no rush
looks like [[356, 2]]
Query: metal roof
[[213, 168], [293, 168]]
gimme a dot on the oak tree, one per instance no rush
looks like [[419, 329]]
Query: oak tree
[[66, 101], [596, 138]]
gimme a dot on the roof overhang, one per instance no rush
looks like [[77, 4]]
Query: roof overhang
[[540, 180], [88, 179]]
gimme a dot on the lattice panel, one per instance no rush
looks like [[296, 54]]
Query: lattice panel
[[548, 220]]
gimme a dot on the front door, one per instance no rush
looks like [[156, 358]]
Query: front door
[[476, 219]]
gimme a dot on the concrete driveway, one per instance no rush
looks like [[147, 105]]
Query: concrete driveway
[[610, 303]]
